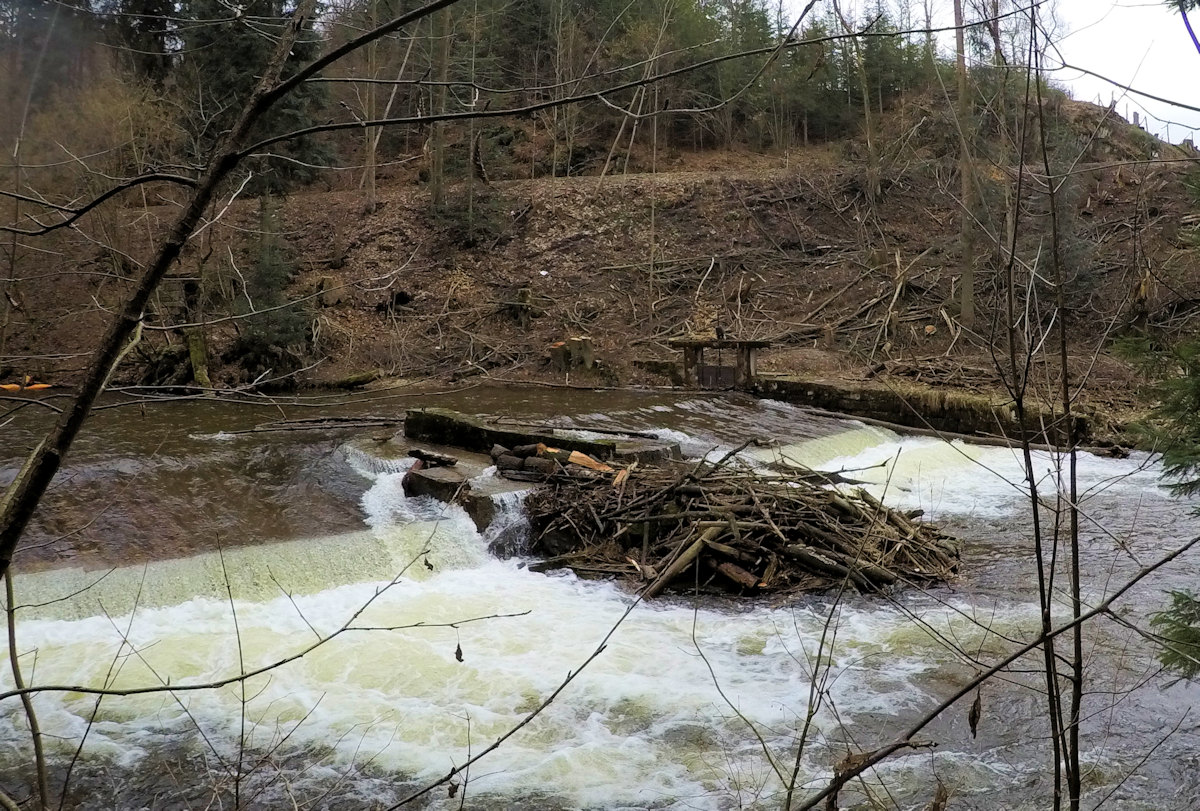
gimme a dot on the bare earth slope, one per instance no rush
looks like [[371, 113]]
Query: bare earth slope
[[783, 248]]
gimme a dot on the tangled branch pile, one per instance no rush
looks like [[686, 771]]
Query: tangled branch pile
[[732, 528]]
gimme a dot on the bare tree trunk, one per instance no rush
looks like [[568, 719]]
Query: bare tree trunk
[[1071, 759], [8, 285], [371, 136], [1018, 387], [873, 169], [23, 495], [35, 730], [474, 149], [387, 108], [437, 172], [966, 172]]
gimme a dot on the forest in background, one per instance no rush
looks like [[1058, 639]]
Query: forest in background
[[150, 83]]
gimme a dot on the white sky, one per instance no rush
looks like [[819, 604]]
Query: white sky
[[1140, 43]]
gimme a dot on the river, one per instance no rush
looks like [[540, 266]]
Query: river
[[175, 550]]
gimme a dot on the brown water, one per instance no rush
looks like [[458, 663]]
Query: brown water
[[644, 726], [147, 482]]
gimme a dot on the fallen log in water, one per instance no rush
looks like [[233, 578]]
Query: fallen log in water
[[735, 529], [433, 458]]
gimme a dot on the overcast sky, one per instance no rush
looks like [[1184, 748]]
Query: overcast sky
[[1140, 43]]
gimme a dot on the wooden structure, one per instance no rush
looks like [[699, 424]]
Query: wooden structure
[[697, 374]]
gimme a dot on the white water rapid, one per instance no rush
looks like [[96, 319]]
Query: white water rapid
[[685, 708]]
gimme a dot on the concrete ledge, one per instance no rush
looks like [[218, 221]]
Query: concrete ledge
[[442, 483], [445, 427], [944, 410]]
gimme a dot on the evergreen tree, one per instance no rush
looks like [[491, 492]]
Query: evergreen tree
[[224, 52], [1178, 413], [893, 64], [50, 43], [1179, 437], [274, 338], [1179, 627], [747, 26], [143, 35]]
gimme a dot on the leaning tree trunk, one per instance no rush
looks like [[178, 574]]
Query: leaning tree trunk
[[25, 493]]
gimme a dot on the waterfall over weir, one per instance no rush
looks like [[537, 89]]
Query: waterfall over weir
[[447, 647]]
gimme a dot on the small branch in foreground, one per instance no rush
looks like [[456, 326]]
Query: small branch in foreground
[[904, 740], [73, 214], [466, 765], [182, 688], [35, 729]]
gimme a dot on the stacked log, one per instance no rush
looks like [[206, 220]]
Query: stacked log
[[725, 527], [540, 462]]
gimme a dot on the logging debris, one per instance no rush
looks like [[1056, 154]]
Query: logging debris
[[540, 462], [726, 527]]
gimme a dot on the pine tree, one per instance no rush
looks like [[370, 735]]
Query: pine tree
[[143, 36], [1179, 627], [50, 43], [274, 338], [1179, 437], [224, 53]]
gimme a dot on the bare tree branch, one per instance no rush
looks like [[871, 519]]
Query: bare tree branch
[[73, 213], [23, 495], [602, 95], [904, 740]]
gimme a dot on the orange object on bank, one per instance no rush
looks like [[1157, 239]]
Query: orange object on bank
[[28, 385]]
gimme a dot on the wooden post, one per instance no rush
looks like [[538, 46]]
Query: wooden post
[[741, 374], [690, 363]]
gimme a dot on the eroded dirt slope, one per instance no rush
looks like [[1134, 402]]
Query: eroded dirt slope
[[790, 249]]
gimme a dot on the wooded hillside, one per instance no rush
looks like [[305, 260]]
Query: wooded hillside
[[387, 217]]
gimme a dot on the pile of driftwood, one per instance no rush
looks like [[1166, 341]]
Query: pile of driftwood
[[727, 527]]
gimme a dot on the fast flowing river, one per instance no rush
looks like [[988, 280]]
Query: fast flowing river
[[176, 551]]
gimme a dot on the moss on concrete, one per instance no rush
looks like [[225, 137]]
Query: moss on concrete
[[955, 411]]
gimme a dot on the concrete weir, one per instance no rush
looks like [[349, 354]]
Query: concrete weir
[[455, 432], [443, 426], [923, 408]]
